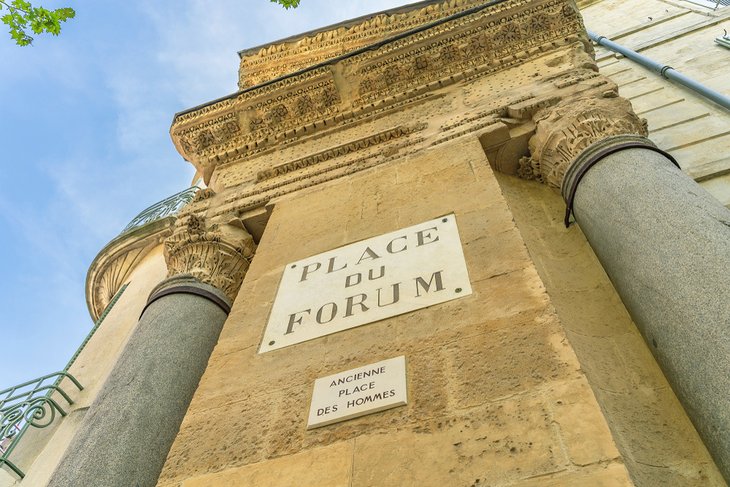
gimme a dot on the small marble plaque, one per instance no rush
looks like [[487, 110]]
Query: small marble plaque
[[357, 392], [367, 281]]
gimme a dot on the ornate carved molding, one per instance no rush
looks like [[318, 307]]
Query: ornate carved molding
[[115, 263], [270, 61], [473, 45], [114, 275], [566, 129], [488, 41], [228, 129], [217, 254], [320, 167], [273, 173], [339, 151]]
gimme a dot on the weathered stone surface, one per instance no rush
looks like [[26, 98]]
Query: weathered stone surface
[[493, 444], [658, 443], [330, 466], [465, 357], [536, 347], [611, 475], [582, 427]]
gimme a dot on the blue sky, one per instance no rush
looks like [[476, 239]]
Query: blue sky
[[84, 121]]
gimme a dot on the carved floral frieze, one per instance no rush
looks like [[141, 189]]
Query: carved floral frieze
[[484, 41], [491, 41], [268, 62], [232, 128]]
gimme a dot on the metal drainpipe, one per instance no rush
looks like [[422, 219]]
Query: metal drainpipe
[[662, 69], [724, 41]]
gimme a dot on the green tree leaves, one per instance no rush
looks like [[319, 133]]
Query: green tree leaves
[[23, 19], [287, 3]]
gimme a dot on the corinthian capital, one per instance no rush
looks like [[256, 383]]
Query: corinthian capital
[[568, 128], [218, 255]]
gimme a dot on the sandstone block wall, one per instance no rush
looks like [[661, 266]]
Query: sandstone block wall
[[496, 395]]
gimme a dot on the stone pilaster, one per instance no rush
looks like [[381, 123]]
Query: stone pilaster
[[129, 429]]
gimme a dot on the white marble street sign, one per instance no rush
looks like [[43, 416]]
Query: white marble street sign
[[357, 392], [367, 281]]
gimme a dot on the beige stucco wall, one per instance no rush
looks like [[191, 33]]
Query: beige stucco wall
[[41, 449], [679, 34], [496, 393]]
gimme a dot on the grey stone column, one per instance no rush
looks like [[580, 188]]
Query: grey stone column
[[131, 425], [665, 244]]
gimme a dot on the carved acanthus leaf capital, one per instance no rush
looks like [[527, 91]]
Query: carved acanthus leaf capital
[[218, 254], [568, 128]]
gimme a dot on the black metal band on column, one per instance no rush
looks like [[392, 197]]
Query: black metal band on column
[[570, 190], [187, 290]]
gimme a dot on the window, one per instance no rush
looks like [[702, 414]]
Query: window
[[713, 4]]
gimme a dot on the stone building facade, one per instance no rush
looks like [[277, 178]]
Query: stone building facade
[[595, 354]]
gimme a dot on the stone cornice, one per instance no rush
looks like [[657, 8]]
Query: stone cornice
[[504, 124], [275, 59], [492, 39], [318, 168], [339, 151]]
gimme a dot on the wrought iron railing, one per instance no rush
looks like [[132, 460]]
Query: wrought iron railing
[[34, 404], [30, 404], [167, 207]]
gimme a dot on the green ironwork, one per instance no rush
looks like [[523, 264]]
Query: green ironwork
[[36, 403], [33, 403], [30, 404], [167, 207]]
